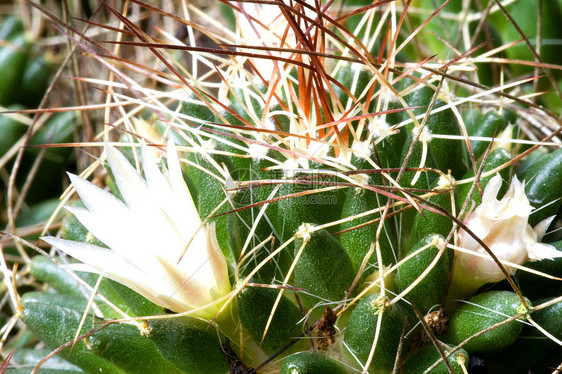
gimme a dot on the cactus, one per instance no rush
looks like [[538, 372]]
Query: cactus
[[321, 199]]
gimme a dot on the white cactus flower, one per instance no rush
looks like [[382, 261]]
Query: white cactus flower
[[147, 233], [503, 226]]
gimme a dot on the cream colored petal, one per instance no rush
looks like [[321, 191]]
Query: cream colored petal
[[196, 260], [105, 261], [113, 266], [85, 268], [156, 182], [489, 201], [542, 251], [503, 226], [175, 177], [107, 218], [542, 226], [130, 183], [217, 261], [189, 288], [93, 197], [173, 210], [510, 249], [105, 227], [176, 208], [96, 257], [515, 202], [479, 226], [132, 235]]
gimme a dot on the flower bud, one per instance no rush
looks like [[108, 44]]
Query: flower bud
[[503, 226]]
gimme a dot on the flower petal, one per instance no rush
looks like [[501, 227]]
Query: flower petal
[[92, 196], [108, 263], [130, 183], [542, 251], [489, 201], [148, 233], [156, 182], [503, 226], [173, 205], [515, 202], [101, 259], [177, 183], [542, 226], [217, 261], [103, 225]]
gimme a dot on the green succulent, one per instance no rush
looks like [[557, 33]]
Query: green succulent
[[331, 205]]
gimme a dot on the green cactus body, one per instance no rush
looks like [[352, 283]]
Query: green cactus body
[[278, 134], [28, 358], [311, 363], [254, 307], [189, 344], [357, 242], [353, 79], [318, 207], [471, 117], [444, 28], [13, 58], [232, 144], [488, 74], [136, 303], [532, 346], [430, 291], [491, 124], [323, 268], [240, 223], [449, 154], [45, 270], [58, 129], [237, 115], [481, 312], [361, 329], [426, 357], [126, 348], [424, 182], [393, 144], [523, 14], [37, 214], [543, 185], [55, 325], [11, 129], [35, 80], [433, 223], [214, 194], [11, 26]]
